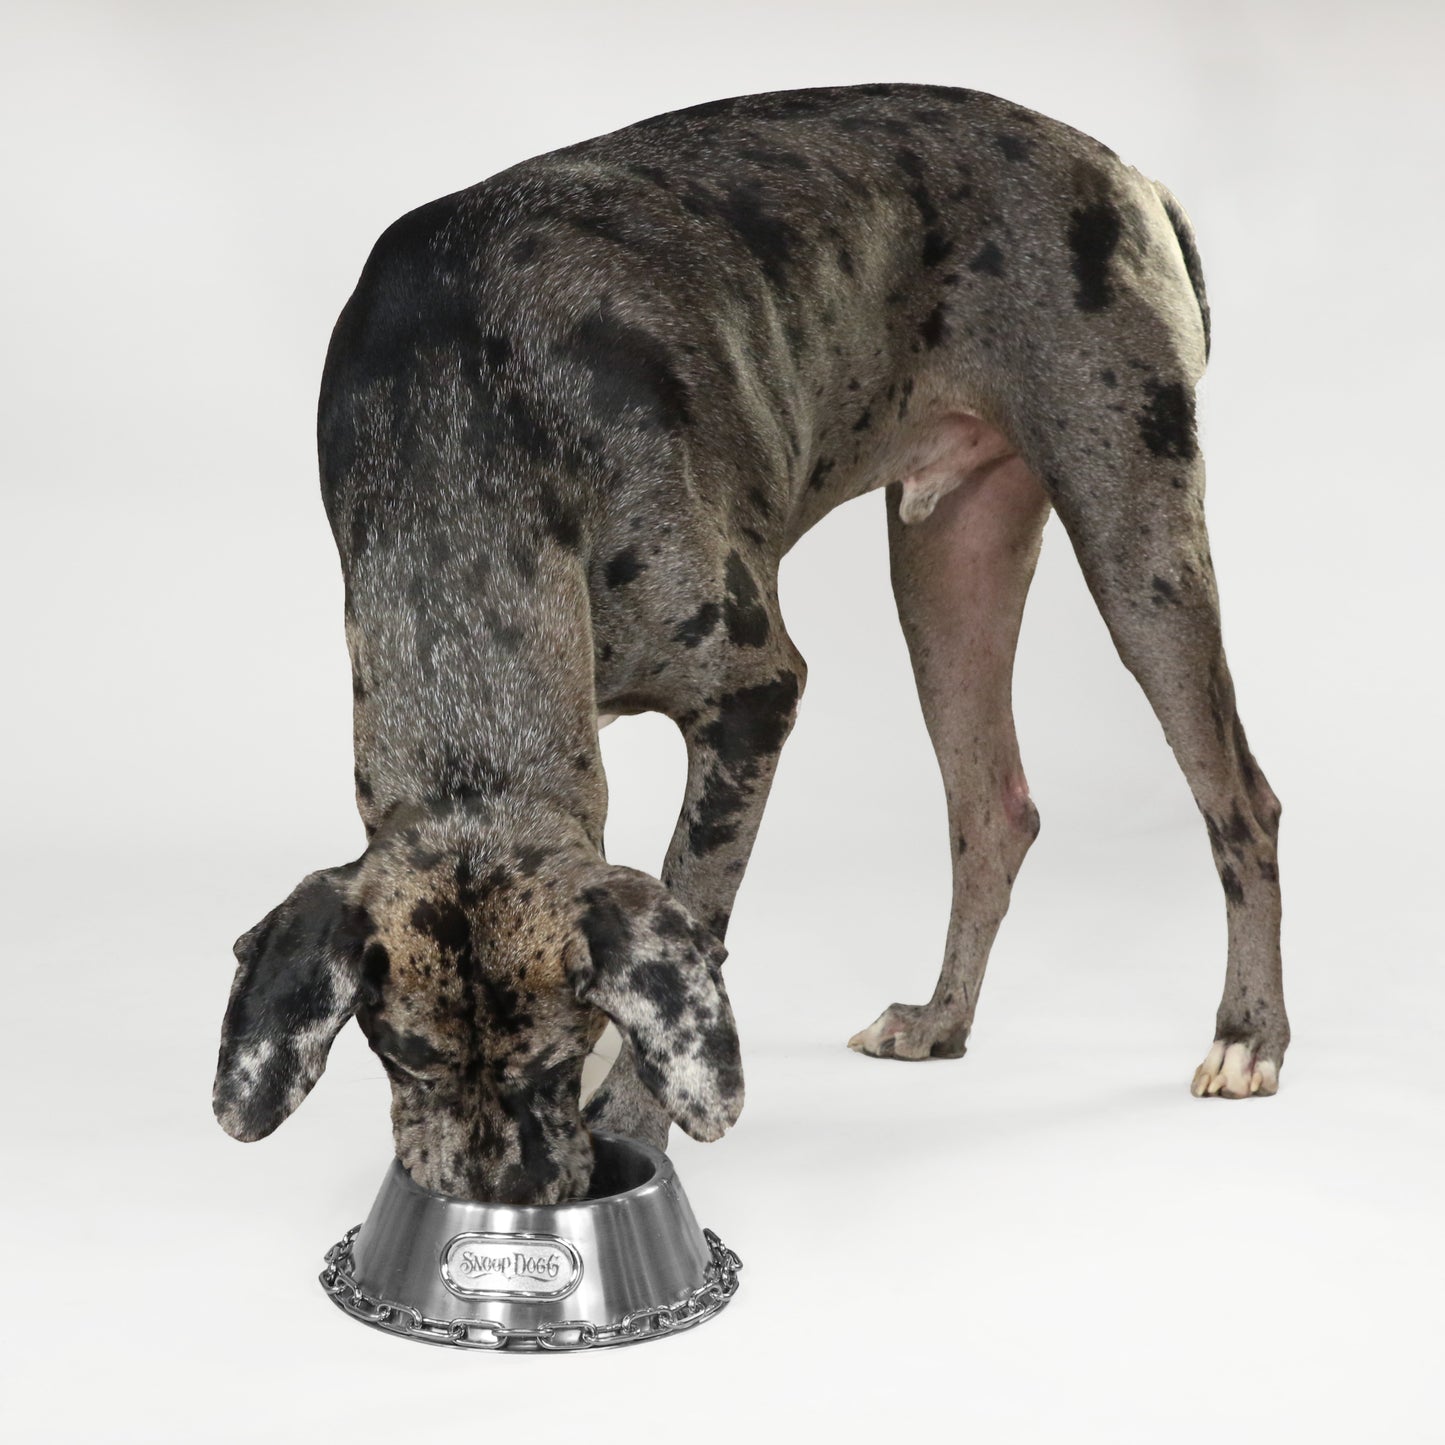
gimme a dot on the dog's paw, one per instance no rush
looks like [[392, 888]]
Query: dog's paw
[[911, 1031], [1234, 1071]]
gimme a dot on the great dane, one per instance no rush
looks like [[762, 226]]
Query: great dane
[[570, 422]]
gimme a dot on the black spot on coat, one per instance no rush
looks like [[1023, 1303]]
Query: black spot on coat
[[631, 374], [714, 820], [1093, 238], [375, 971], [691, 631], [988, 261], [750, 727], [625, 567], [820, 471], [752, 722], [531, 858], [606, 928], [444, 923], [770, 238], [1166, 425], [936, 247], [560, 523], [744, 615], [497, 350]]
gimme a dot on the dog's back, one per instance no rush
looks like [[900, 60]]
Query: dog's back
[[745, 296]]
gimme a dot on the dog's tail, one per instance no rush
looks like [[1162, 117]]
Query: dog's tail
[[1184, 234]]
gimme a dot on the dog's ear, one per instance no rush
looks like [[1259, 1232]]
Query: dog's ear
[[295, 986], [656, 972]]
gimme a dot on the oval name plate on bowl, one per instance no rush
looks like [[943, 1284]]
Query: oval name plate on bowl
[[510, 1266]]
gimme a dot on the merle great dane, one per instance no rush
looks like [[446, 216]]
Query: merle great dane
[[571, 420]]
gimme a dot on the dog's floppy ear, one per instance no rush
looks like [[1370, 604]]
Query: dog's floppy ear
[[295, 986], [656, 972]]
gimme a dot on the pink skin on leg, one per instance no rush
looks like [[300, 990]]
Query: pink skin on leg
[[964, 532]]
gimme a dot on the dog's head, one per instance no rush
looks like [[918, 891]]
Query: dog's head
[[481, 976]]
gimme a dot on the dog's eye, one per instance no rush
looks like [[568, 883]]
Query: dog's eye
[[405, 1055], [404, 1075]]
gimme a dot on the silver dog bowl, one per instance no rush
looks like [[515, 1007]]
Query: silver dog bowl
[[627, 1263]]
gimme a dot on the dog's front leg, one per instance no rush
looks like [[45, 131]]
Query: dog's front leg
[[733, 743]]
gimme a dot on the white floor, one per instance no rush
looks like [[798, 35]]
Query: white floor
[[1049, 1240]]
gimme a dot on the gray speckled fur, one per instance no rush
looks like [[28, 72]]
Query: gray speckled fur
[[573, 417]]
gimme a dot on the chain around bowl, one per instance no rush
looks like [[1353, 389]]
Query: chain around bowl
[[720, 1284]]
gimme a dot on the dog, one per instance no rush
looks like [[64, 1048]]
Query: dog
[[570, 421]]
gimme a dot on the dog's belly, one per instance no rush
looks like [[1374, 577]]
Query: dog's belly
[[654, 634]]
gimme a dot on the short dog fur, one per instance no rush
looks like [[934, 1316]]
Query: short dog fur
[[570, 422]]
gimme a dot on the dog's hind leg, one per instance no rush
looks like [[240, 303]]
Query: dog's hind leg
[[960, 577], [1122, 466]]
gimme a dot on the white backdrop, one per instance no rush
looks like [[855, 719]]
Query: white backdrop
[[1048, 1240]]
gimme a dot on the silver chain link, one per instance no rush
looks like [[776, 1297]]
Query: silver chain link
[[720, 1284]]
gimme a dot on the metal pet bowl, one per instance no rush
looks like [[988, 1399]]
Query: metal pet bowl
[[627, 1263]]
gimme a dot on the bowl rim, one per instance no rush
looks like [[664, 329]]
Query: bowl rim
[[660, 1164]]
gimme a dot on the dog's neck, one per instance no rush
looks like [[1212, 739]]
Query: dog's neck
[[480, 693]]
